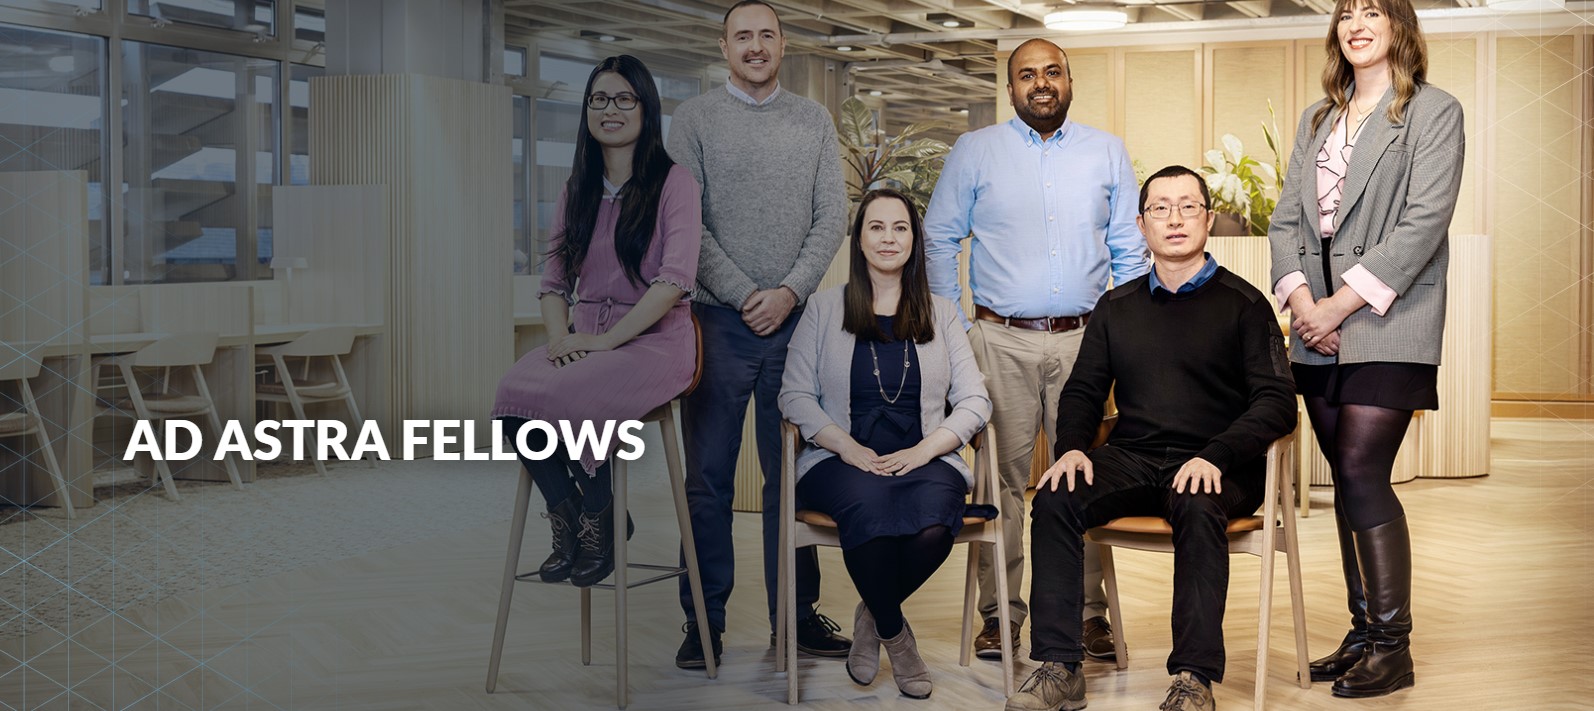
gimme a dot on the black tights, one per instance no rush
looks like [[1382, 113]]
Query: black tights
[[888, 569], [558, 478], [1360, 443]]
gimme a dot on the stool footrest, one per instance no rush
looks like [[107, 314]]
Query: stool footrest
[[670, 572]]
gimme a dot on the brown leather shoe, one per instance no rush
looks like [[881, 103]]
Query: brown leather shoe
[[989, 644], [1097, 640]]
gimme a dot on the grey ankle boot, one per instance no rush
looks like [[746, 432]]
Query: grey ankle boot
[[913, 677], [863, 662]]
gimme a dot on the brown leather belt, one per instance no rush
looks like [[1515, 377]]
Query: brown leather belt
[[1053, 324]]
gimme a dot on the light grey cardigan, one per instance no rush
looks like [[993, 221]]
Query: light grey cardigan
[[817, 388], [1393, 219]]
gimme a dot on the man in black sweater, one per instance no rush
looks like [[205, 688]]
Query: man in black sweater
[[1196, 362]]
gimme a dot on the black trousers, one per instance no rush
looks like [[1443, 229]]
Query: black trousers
[[1139, 483]]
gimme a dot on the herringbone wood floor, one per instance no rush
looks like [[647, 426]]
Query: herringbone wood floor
[[1504, 621]]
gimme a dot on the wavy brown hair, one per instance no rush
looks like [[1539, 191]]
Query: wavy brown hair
[[1408, 59], [915, 316]]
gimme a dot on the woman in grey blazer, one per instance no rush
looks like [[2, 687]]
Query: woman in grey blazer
[[1360, 248], [882, 383]]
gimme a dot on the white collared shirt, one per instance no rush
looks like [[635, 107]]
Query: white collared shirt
[[610, 190], [748, 98]]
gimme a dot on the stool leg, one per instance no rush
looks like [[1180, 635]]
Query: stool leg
[[622, 678], [586, 627], [517, 532], [683, 520]]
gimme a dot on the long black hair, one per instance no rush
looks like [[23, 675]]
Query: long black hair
[[915, 316], [650, 165]]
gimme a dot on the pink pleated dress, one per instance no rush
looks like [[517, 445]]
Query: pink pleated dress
[[647, 371]]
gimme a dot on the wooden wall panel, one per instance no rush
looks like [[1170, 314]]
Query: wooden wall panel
[[1535, 218], [1457, 434], [1242, 79], [1159, 89], [1453, 67]]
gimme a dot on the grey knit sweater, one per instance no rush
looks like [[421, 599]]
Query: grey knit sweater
[[774, 204]]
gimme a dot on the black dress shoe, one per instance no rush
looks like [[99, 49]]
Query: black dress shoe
[[1097, 639], [562, 518], [818, 635], [690, 655], [594, 548], [988, 645]]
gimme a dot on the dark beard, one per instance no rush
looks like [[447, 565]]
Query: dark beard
[[1057, 115]]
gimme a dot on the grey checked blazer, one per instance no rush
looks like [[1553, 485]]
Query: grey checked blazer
[[1394, 220], [816, 389]]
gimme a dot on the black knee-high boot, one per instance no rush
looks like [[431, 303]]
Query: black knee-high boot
[[1354, 645], [1384, 552]]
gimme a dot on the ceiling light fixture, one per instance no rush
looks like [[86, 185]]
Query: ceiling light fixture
[[1526, 5], [1086, 19], [951, 23], [605, 38], [876, 92], [844, 48]]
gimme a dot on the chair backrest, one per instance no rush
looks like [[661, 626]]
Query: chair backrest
[[332, 340], [177, 349], [16, 365]]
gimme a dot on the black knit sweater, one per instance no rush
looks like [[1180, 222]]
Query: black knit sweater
[[1202, 371]]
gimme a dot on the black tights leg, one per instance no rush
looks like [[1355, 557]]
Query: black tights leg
[[888, 569], [1360, 443]]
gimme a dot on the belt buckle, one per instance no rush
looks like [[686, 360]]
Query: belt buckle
[[1049, 327]]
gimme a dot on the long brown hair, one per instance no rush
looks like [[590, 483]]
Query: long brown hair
[[1408, 59], [915, 316]]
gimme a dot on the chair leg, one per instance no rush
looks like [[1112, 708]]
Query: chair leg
[[683, 519], [215, 426], [286, 376], [622, 681], [48, 451], [1004, 614], [970, 589], [1292, 553], [163, 472], [1109, 573], [348, 400], [506, 590], [1264, 620]]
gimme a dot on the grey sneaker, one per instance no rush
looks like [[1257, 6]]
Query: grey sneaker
[[1050, 688], [1188, 694]]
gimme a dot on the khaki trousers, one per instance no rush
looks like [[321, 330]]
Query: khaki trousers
[[1024, 372]]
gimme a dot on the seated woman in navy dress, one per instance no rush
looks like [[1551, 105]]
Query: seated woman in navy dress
[[870, 372]]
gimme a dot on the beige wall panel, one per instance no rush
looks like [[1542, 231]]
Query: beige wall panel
[[1456, 435], [1535, 216], [341, 231], [1093, 85], [1243, 80], [1453, 67], [1162, 108], [43, 255]]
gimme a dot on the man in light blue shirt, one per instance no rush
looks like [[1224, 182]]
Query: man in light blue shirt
[[1051, 207]]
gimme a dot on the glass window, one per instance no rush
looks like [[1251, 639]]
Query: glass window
[[570, 74], [299, 121], [514, 62], [525, 240], [309, 24], [201, 135], [676, 87], [244, 15], [556, 126], [52, 115]]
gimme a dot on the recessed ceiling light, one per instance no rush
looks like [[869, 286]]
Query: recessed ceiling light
[[876, 92], [1086, 19], [959, 110], [951, 23], [605, 38], [844, 48]]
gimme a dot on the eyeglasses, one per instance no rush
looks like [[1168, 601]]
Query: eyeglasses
[[623, 102], [1164, 211]]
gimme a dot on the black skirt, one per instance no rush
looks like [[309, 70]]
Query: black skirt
[[1397, 386], [867, 506]]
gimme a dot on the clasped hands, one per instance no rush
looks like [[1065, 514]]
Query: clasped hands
[[1318, 323], [1199, 475], [571, 347], [894, 464], [767, 309]]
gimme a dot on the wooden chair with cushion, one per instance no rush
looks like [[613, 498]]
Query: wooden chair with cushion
[[25, 419], [664, 417], [812, 528], [179, 354], [1261, 535]]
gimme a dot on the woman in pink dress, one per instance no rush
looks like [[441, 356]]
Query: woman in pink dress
[[620, 268]]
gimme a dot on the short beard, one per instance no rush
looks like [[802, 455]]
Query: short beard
[[1060, 114]]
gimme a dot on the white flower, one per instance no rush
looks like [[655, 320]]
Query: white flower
[[1215, 159], [1232, 145]]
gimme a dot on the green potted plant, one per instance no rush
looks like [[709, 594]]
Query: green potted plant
[[909, 161], [1245, 190]]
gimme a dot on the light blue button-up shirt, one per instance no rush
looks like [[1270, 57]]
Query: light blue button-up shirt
[[1051, 219]]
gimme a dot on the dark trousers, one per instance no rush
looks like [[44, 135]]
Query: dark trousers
[[1139, 483], [737, 364]]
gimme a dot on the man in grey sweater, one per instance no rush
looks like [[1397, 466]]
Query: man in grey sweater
[[774, 212]]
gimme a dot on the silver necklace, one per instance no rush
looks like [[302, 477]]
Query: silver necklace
[[890, 400]]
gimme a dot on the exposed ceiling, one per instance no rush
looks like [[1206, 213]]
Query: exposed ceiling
[[928, 58]]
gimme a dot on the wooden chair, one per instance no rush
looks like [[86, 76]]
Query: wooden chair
[[664, 417], [308, 387], [26, 420], [1254, 535], [812, 528]]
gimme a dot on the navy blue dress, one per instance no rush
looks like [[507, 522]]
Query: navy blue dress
[[867, 506]]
